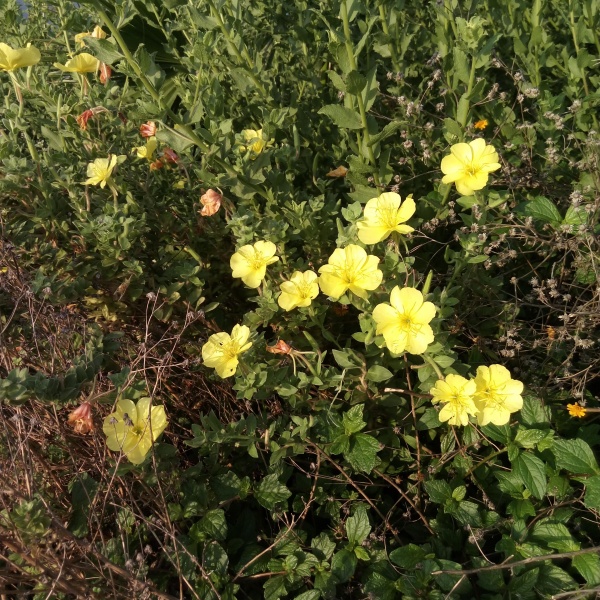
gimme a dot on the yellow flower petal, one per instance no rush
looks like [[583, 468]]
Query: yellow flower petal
[[384, 215], [17, 58], [299, 291], [82, 63], [250, 262], [497, 395], [221, 351]]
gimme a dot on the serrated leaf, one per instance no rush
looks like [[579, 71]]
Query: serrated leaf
[[528, 438], [439, 491], [343, 565], [542, 209], [575, 456], [337, 81], [592, 493], [554, 535], [212, 526], [532, 472], [408, 557], [343, 117], [588, 566], [357, 526], [355, 82], [353, 419], [271, 491], [362, 455]]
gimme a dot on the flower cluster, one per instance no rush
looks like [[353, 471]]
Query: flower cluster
[[491, 397]]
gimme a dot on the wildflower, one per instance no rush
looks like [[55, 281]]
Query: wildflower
[[576, 410], [170, 156], [280, 347], [300, 290], [148, 129], [456, 393], [148, 150], [81, 418], [481, 124], [469, 165], [497, 395], [82, 63], [97, 33], [350, 268], [253, 142], [383, 215], [221, 351], [404, 322], [100, 171], [105, 73], [157, 164], [17, 58], [250, 262], [132, 429], [211, 202]]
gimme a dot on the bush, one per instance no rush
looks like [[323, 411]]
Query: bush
[[349, 250]]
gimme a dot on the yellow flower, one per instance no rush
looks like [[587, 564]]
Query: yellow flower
[[17, 58], [497, 395], [98, 33], [405, 324], [350, 268], [482, 124], [253, 141], [82, 63], [300, 290], [576, 410], [456, 393], [469, 165], [132, 429], [100, 170], [148, 150], [250, 262], [221, 351], [383, 215]]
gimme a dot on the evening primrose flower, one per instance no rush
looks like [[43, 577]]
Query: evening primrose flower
[[350, 268], [221, 351], [82, 63], [148, 150], [456, 394], [211, 203], [404, 322], [253, 141], [383, 215], [17, 58], [98, 33], [300, 290], [468, 166], [100, 171], [132, 429], [250, 262], [497, 395]]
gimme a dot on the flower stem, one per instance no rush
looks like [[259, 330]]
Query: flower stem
[[433, 365]]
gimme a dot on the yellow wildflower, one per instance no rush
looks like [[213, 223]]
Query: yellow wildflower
[[468, 166], [350, 268], [100, 171], [253, 141], [576, 410], [132, 429], [82, 63], [456, 393], [17, 58], [404, 322], [383, 215], [98, 33], [300, 290], [481, 124], [497, 395], [250, 262], [221, 351], [148, 150]]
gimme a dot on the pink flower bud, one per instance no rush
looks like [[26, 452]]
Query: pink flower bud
[[211, 202]]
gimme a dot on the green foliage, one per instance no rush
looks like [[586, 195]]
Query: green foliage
[[323, 470]]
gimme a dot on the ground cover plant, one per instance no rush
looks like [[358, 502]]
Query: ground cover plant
[[299, 300]]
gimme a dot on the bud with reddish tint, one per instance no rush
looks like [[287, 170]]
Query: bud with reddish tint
[[148, 129], [170, 155], [84, 117], [156, 165], [105, 73], [81, 418], [211, 202], [280, 347]]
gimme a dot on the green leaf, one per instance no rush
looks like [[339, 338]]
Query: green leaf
[[576, 216], [439, 491], [389, 130], [104, 50], [355, 83], [215, 559], [554, 535], [362, 455], [340, 444], [588, 566], [592, 493], [377, 373], [357, 526], [541, 209], [309, 595], [275, 588], [343, 117], [408, 557], [528, 438], [83, 491], [212, 526], [499, 433], [532, 471], [353, 419], [575, 456], [337, 80], [343, 565], [271, 491]]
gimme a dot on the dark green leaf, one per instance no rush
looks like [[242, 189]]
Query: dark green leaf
[[362, 455], [575, 456], [343, 117], [532, 472]]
